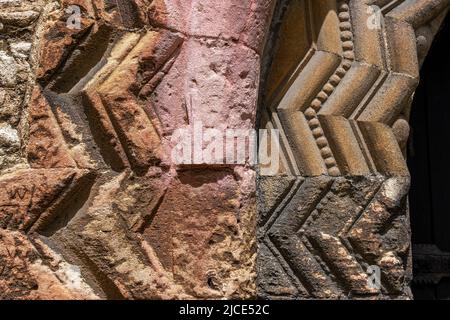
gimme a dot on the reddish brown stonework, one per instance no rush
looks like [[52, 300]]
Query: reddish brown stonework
[[28, 198], [93, 206], [46, 147], [340, 91], [99, 198]]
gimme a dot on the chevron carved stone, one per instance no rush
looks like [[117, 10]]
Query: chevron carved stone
[[339, 80], [93, 204]]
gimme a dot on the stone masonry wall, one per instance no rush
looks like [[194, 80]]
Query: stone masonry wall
[[92, 92], [91, 203]]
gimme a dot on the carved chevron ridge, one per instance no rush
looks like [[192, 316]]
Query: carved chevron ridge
[[332, 131], [330, 230]]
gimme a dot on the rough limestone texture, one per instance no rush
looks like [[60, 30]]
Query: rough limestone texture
[[339, 77], [91, 204]]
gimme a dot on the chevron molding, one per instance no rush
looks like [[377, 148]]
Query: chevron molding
[[95, 207], [339, 81], [92, 205]]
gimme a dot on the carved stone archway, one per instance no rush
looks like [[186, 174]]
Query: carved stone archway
[[340, 76], [92, 205]]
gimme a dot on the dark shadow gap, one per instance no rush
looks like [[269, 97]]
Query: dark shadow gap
[[428, 161]]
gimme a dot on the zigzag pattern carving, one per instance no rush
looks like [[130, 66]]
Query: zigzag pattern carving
[[342, 112], [342, 101], [93, 135], [104, 191]]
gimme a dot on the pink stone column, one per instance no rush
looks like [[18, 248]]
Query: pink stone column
[[214, 80]]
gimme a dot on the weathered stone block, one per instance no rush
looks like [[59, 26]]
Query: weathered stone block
[[323, 233]]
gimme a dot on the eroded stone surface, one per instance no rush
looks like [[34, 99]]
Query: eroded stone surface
[[103, 191], [94, 207], [29, 197], [339, 92], [31, 270], [18, 21], [323, 233]]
